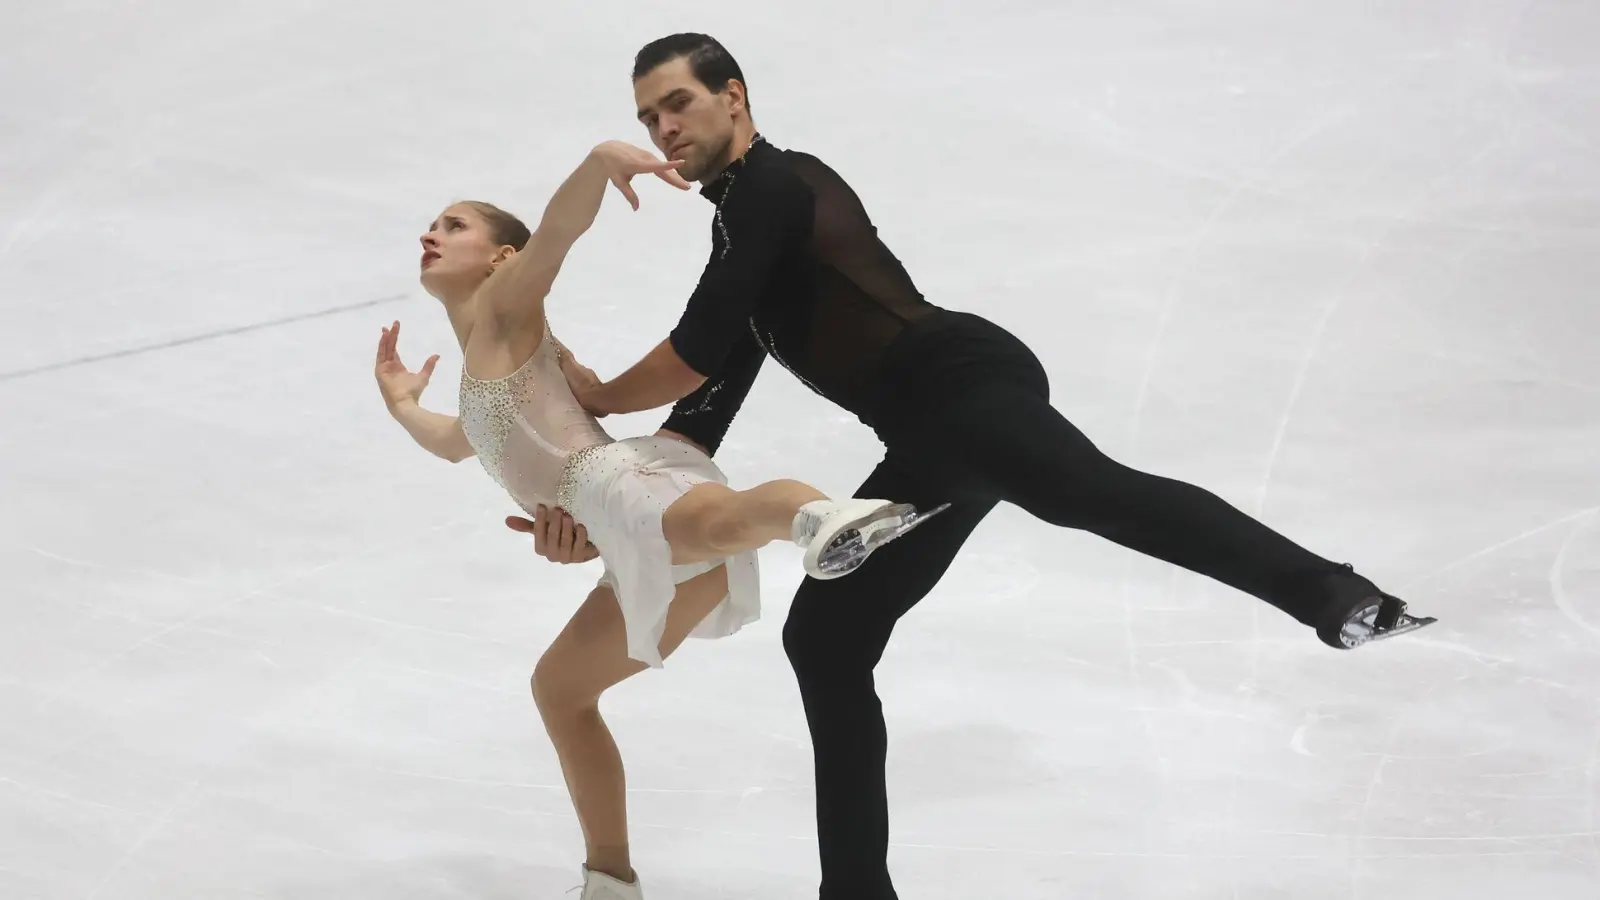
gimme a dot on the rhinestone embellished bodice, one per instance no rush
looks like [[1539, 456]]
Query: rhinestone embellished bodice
[[527, 427]]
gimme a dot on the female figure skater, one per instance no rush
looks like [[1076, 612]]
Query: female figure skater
[[677, 543]]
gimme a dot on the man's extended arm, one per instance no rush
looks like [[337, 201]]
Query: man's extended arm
[[662, 377], [765, 218]]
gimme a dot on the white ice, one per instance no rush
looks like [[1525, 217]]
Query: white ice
[[1334, 261]]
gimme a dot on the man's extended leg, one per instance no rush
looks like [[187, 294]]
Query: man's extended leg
[[991, 427], [835, 635]]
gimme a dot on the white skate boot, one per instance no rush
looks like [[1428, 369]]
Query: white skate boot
[[600, 886], [839, 535]]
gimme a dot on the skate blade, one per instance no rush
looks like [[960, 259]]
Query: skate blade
[[851, 547], [1363, 630]]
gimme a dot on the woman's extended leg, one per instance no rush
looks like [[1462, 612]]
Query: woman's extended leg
[[587, 658], [712, 521]]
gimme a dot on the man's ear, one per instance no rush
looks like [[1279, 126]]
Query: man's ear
[[736, 101]]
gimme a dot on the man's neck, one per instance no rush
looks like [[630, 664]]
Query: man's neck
[[743, 134]]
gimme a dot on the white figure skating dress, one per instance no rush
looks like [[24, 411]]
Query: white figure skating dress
[[538, 443]]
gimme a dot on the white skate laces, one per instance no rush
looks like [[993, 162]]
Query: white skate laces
[[839, 535]]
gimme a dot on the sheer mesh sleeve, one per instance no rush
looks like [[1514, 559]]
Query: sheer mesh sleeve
[[704, 416]]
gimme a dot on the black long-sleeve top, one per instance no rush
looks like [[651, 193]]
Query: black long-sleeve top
[[797, 272]]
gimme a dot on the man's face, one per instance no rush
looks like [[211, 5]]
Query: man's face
[[685, 120]]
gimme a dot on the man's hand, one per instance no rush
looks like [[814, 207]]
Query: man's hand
[[583, 382], [555, 536], [623, 161], [659, 379]]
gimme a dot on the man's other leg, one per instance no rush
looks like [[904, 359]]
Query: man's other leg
[[835, 635]]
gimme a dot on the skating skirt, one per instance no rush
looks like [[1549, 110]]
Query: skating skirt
[[619, 492]]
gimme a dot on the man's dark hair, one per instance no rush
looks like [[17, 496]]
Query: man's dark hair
[[710, 62]]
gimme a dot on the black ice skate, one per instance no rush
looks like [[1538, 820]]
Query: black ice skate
[[1360, 613], [839, 535]]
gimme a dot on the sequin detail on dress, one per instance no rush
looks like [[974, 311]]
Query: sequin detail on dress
[[528, 430], [537, 442], [488, 413]]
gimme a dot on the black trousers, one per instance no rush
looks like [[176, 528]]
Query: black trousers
[[968, 421]]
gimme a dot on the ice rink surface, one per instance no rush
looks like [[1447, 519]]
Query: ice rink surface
[[1335, 261]]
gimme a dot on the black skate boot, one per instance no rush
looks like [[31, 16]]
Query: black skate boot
[[1358, 613]]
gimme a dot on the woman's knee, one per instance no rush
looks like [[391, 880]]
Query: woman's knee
[[725, 529], [703, 522], [559, 688]]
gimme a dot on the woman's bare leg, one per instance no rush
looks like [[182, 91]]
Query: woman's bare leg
[[712, 521], [588, 657]]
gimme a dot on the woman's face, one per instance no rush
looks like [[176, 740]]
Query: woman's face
[[458, 250]]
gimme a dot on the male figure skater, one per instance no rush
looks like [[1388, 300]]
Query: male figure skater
[[797, 272]]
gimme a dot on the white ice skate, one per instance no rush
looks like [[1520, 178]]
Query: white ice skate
[[600, 886], [839, 535]]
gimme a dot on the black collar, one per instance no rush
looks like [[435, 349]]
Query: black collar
[[716, 189]]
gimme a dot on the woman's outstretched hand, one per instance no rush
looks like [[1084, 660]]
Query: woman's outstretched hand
[[624, 162], [398, 383]]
